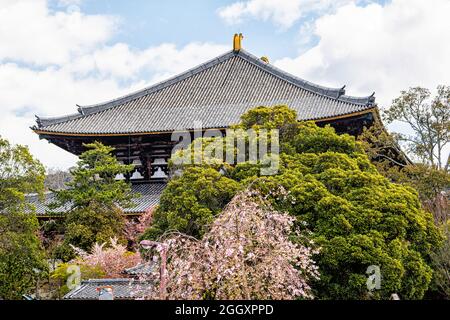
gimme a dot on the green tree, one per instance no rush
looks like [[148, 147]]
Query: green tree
[[191, 209], [357, 216], [22, 259], [431, 182], [95, 199], [433, 186], [359, 219], [60, 276]]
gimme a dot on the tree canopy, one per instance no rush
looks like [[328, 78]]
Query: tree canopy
[[428, 143], [95, 198], [191, 210], [357, 216], [21, 256]]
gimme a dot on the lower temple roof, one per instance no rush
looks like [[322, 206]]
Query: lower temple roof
[[149, 197], [123, 289]]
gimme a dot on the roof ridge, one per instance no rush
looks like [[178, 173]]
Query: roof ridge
[[48, 121], [334, 93], [304, 84], [368, 100]]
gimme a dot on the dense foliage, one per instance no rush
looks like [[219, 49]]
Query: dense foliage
[[357, 216], [191, 209], [431, 182], [65, 271], [429, 123], [359, 219], [21, 257], [95, 198]]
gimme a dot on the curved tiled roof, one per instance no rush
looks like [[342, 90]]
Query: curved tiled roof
[[215, 93], [145, 268], [123, 289], [149, 197]]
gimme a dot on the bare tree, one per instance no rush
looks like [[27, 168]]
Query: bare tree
[[56, 179], [441, 264], [430, 122]]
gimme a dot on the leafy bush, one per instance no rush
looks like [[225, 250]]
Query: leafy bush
[[61, 275]]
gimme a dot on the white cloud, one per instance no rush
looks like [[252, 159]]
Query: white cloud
[[52, 60], [284, 13], [31, 33], [69, 2], [58, 59], [379, 48], [164, 60], [384, 49], [15, 129]]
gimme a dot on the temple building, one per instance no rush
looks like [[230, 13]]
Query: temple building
[[215, 94]]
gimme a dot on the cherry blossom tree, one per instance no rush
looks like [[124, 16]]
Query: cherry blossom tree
[[113, 260], [133, 229], [246, 254]]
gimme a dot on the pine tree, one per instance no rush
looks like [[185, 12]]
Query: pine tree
[[95, 199]]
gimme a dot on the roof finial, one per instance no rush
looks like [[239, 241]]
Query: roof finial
[[237, 42]]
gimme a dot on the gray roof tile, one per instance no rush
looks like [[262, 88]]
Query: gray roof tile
[[142, 269], [150, 193], [215, 93], [123, 289]]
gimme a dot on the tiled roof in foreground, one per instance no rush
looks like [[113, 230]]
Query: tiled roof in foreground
[[142, 269], [123, 289], [215, 93], [150, 193]]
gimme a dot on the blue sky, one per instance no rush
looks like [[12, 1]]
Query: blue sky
[[149, 23], [59, 53]]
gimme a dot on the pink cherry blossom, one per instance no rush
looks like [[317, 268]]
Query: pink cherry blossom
[[246, 254]]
